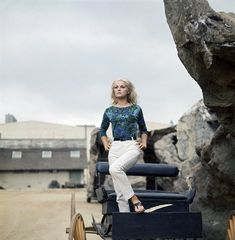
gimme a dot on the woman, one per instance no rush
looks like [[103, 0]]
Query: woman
[[127, 122]]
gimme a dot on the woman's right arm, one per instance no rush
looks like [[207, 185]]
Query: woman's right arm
[[104, 126]]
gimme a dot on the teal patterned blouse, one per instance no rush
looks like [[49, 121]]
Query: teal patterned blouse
[[126, 122]]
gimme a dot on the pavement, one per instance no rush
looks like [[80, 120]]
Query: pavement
[[43, 214]]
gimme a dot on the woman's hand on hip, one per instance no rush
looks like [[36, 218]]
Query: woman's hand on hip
[[106, 143], [107, 146], [142, 145]]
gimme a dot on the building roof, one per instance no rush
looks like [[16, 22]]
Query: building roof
[[42, 143], [42, 130]]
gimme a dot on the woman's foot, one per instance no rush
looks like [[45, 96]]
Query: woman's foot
[[138, 206]]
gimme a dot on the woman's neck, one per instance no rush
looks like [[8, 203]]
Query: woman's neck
[[122, 103]]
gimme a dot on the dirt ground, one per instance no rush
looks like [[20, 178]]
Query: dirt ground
[[42, 215]]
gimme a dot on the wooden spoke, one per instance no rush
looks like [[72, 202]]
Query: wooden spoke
[[73, 206]]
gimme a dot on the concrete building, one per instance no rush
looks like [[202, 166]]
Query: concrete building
[[34, 154]]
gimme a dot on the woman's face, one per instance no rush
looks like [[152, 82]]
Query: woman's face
[[120, 89]]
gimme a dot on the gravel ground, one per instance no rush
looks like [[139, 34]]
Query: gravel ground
[[42, 215]]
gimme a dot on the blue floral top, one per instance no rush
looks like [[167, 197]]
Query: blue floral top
[[126, 122]]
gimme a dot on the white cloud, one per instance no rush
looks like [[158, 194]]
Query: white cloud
[[58, 59]]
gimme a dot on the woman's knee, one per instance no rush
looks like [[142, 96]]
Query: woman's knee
[[113, 170]]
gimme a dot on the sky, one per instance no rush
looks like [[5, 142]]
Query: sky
[[58, 59]]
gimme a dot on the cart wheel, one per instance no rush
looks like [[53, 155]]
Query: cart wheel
[[77, 228], [231, 227]]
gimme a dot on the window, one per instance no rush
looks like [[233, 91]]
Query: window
[[46, 154], [75, 154], [16, 154]]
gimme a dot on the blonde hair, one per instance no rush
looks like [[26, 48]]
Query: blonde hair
[[131, 96]]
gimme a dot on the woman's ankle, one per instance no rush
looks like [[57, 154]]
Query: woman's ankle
[[134, 199]]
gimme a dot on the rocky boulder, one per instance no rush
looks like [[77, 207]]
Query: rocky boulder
[[205, 41], [194, 130]]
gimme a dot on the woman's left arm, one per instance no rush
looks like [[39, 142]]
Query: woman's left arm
[[143, 142], [143, 131]]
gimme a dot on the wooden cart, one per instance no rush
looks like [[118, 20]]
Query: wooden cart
[[173, 221]]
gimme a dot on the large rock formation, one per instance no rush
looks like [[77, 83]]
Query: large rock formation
[[194, 130], [205, 42]]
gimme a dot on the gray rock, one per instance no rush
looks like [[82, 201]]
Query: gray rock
[[166, 150], [205, 42], [194, 130]]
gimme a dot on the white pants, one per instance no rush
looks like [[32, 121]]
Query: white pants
[[122, 156]]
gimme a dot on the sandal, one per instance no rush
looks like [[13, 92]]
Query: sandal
[[139, 208]]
